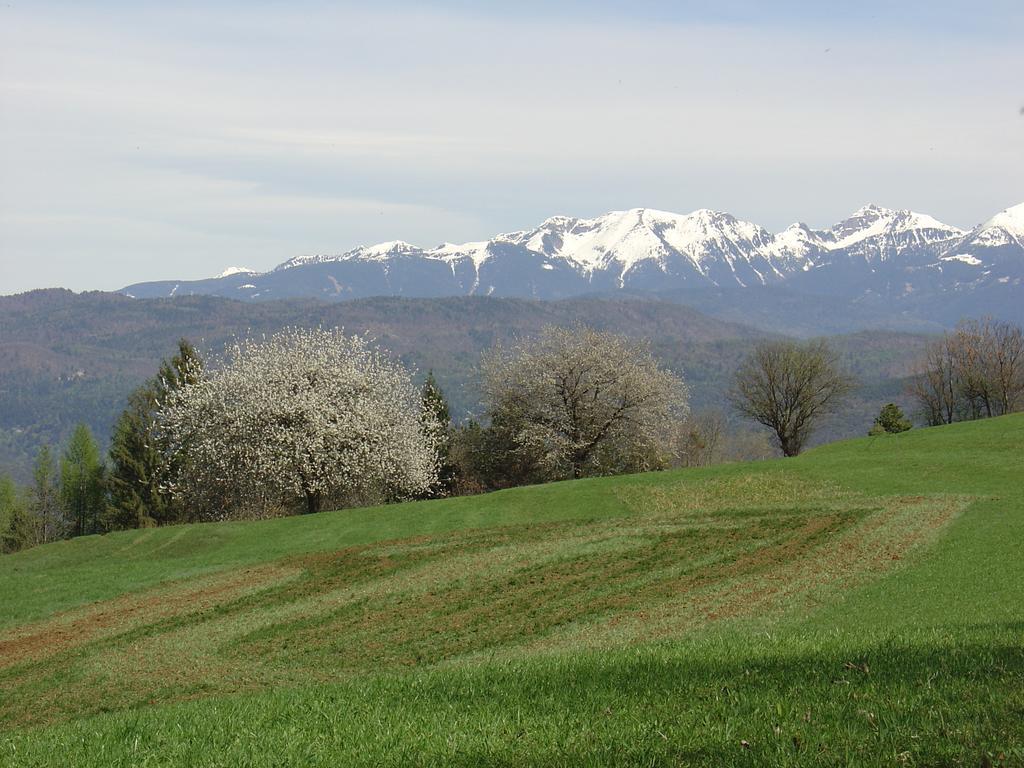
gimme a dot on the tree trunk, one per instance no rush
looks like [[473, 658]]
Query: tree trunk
[[314, 500]]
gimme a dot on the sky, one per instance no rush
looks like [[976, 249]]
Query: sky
[[143, 140]]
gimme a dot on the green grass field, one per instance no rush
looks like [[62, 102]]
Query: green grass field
[[860, 605]]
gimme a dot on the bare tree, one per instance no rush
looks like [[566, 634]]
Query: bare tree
[[700, 440], [580, 402], [969, 344], [749, 445], [935, 384], [304, 414], [789, 387], [1001, 353], [974, 372]]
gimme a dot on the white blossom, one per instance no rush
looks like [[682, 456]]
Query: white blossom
[[584, 402], [302, 415]]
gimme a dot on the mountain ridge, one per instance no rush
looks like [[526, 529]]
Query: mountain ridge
[[875, 254]]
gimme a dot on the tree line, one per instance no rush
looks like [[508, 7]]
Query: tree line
[[82, 492], [308, 419], [975, 371]]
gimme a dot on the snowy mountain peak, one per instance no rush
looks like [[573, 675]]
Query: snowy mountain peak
[[795, 247], [379, 252], [1010, 220], [1015, 213], [871, 211], [865, 222], [1004, 230], [710, 215], [912, 220], [621, 240], [558, 222], [799, 226], [874, 232], [385, 250], [593, 244], [237, 271], [902, 219], [876, 254], [477, 253], [706, 240]]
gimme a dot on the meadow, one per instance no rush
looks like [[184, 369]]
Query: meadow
[[858, 605]]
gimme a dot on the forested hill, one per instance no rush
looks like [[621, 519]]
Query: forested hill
[[67, 357]]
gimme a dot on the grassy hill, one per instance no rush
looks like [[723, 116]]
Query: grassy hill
[[858, 605]]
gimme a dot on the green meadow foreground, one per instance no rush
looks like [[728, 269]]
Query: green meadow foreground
[[860, 605]]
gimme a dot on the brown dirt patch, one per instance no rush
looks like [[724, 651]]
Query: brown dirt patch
[[75, 628], [468, 594]]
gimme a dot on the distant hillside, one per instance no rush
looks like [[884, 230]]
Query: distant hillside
[[67, 357]]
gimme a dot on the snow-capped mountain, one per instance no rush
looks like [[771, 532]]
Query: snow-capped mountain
[[879, 234], [237, 271], [984, 269], [874, 253], [637, 245], [996, 244]]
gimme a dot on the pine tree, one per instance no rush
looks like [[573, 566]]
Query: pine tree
[[141, 467], [186, 367], [890, 420], [437, 418], [135, 499], [24, 528], [82, 489], [13, 533], [47, 520]]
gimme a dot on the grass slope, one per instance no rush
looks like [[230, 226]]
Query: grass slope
[[857, 605]]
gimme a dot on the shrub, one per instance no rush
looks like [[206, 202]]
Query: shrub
[[890, 421]]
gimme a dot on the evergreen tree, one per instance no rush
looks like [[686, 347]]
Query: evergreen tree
[[82, 490], [186, 367], [890, 420], [8, 497], [141, 467], [135, 500], [47, 519], [11, 517], [437, 419]]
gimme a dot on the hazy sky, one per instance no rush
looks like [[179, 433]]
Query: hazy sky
[[170, 140]]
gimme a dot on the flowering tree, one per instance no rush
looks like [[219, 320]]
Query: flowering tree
[[303, 414], [582, 402]]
